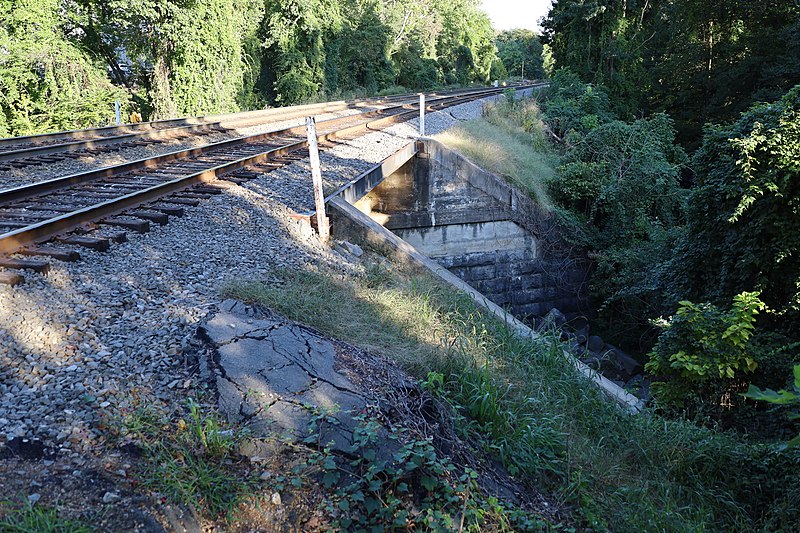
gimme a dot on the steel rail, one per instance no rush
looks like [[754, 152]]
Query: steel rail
[[87, 139], [300, 110], [43, 187], [156, 134], [45, 229]]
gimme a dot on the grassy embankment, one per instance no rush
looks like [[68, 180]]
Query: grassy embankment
[[510, 142], [546, 424], [525, 404]]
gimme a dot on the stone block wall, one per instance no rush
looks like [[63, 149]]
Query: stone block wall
[[527, 285]]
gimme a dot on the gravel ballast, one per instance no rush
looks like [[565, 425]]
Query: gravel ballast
[[82, 344]]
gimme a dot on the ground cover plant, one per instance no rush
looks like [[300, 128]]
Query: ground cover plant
[[522, 401], [191, 458], [32, 518], [413, 488]]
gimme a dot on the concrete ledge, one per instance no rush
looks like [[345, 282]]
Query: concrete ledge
[[347, 222], [362, 184]]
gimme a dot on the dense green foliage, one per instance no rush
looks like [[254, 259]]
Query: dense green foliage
[[314, 46], [660, 241], [63, 63], [705, 351], [521, 53], [699, 61], [46, 81], [744, 222], [620, 183]]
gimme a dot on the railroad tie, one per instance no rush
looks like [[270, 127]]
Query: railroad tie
[[208, 189], [134, 224], [55, 253], [236, 179], [153, 216], [95, 243], [116, 236], [191, 202], [42, 267], [11, 278], [168, 210]]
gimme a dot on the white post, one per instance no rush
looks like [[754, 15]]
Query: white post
[[496, 84], [422, 114], [316, 177], [117, 112]]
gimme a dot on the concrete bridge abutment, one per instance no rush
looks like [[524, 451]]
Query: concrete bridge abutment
[[481, 229]]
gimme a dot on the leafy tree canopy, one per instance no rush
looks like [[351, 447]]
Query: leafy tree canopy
[[64, 62]]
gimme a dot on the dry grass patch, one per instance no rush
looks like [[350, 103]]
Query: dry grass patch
[[509, 141]]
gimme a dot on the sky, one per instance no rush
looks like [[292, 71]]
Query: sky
[[507, 14]]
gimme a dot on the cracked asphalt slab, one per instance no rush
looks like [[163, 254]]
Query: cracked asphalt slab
[[274, 376]]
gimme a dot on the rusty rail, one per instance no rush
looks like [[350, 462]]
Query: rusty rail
[[289, 140]]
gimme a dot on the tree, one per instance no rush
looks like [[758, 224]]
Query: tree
[[521, 52], [47, 82], [700, 61], [189, 57], [64, 62], [465, 45], [744, 223]]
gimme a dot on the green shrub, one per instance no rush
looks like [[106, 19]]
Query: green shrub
[[704, 351], [744, 223], [623, 178], [621, 183], [570, 102]]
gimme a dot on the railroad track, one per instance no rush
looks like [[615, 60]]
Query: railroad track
[[93, 209], [34, 150]]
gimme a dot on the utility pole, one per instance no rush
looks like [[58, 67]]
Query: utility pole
[[523, 70]]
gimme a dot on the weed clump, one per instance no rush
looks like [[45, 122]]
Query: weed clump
[[32, 518], [191, 460]]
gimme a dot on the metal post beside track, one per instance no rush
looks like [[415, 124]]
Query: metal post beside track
[[422, 114], [316, 176]]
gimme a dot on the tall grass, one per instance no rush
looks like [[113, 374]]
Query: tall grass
[[549, 426], [509, 140]]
